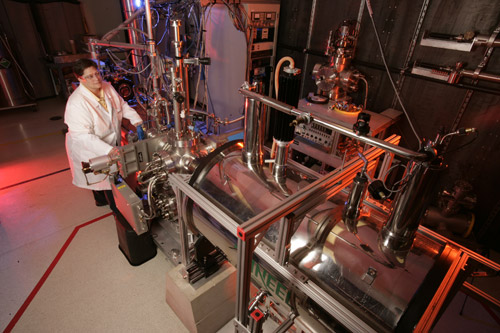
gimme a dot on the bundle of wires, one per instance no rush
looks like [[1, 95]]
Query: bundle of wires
[[196, 18]]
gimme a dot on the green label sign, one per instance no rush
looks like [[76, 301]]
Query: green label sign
[[268, 282]]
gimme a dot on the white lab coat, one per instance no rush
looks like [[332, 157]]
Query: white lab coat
[[93, 131]]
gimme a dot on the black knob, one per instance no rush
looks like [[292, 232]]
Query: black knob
[[362, 126], [377, 190], [86, 167], [179, 98]]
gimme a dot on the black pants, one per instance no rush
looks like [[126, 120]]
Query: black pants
[[105, 197]]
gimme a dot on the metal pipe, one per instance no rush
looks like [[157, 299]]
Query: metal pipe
[[468, 94], [358, 27], [252, 153], [176, 24], [94, 53], [483, 40], [283, 328], [96, 42], [149, 24], [402, 71], [127, 21], [425, 78], [280, 106], [280, 159], [481, 76], [185, 87], [351, 210], [318, 191], [228, 122], [128, 6], [177, 105], [397, 235], [151, 48], [179, 79]]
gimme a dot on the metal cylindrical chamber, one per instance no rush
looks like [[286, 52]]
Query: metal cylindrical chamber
[[180, 85], [349, 267], [230, 183], [351, 210], [280, 158], [225, 179], [339, 62], [253, 152], [397, 235]]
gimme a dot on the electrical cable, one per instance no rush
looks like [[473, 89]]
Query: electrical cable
[[277, 73], [211, 102], [196, 29], [463, 145], [402, 181], [130, 28], [115, 60], [366, 91], [200, 68], [377, 37], [238, 20], [157, 17], [152, 212], [164, 32], [201, 31], [204, 53]]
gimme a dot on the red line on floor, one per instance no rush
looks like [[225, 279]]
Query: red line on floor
[[49, 270], [32, 179], [491, 312]]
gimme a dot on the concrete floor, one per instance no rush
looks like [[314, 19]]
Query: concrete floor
[[60, 267], [57, 274]]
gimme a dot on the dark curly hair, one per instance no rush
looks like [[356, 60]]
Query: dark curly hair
[[81, 65]]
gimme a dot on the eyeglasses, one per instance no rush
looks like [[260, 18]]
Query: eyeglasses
[[92, 76]]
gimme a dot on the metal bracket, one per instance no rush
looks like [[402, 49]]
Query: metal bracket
[[297, 273], [239, 328], [370, 275]]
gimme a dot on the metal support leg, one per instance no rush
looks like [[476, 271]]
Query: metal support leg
[[245, 254], [282, 249], [183, 230]]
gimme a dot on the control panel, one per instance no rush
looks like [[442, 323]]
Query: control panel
[[264, 25], [330, 147], [264, 20], [317, 133]]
